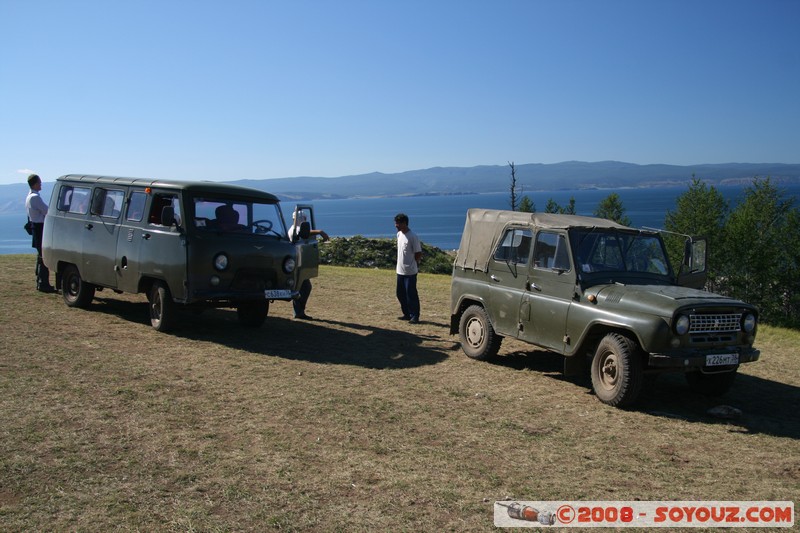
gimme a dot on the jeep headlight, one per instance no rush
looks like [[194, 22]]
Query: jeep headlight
[[221, 262], [289, 265], [682, 325], [749, 322]]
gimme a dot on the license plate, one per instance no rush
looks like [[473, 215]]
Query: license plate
[[278, 295], [722, 359]]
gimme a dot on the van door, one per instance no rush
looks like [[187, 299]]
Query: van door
[[129, 241], [508, 274], [100, 237], [549, 294], [162, 249], [308, 250]]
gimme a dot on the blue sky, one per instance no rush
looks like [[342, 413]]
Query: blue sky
[[233, 89]]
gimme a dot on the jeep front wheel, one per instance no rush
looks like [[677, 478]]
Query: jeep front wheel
[[617, 370], [76, 292], [162, 309], [478, 338]]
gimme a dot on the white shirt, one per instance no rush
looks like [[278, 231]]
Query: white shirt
[[408, 245], [35, 207]]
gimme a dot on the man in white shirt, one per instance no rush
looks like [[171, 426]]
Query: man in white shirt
[[409, 254], [37, 210], [299, 305]]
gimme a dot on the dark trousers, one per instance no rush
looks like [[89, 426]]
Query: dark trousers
[[42, 272], [299, 305], [407, 295]]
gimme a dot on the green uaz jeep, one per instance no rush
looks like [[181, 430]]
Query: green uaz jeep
[[603, 295]]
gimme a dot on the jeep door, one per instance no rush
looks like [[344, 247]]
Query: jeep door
[[100, 237], [129, 241], [308, 250], [508, 275], [549, 294]]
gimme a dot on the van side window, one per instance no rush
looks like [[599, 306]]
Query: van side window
[[107, 203], [160, 201], [73, 199], [136, 206], [550, 251], [514, 246]]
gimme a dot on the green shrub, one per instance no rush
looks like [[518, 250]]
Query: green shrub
[[360, 252]]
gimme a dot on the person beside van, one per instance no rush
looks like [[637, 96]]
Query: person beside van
[[37, 210], [299, 305]]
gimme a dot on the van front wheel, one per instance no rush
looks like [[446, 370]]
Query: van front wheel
[[252, 313], [76, 292], [162, 309]]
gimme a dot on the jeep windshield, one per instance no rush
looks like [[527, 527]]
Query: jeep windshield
[[620, 253], [238, 216]]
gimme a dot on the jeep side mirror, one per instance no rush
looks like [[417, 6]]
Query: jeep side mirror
[[305, 230], [693, 271], [167, 215]]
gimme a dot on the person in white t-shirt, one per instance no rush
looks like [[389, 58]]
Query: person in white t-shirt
[[37, 211], [409, 254]]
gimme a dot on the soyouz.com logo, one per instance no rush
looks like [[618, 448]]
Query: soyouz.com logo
[[644, 514]]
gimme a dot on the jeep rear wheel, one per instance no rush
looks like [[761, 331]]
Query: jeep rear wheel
[[76, 292], [711, 384], [617, 370], [478, 338], [162, 309], [252, 313]]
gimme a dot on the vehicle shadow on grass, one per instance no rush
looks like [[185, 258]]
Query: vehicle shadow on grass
[[319, 341], [767, 406]]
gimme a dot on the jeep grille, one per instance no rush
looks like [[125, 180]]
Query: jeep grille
[[715, 323]]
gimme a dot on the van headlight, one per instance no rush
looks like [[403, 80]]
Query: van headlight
[[221, 262], [682, 325], [749, 322], [289, 265]]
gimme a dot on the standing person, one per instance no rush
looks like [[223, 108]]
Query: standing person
[[409, 254], [37, 210], [299, 305]]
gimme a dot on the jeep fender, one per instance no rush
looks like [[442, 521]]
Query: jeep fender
[[650, 331]]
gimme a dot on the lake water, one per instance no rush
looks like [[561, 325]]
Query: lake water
[[438, 220]]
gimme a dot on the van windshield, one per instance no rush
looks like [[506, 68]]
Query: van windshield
[[224, 215]]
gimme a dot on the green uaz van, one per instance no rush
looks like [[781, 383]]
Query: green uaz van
[[183, 244]]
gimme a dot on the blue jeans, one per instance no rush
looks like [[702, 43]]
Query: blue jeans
[[407, 295]]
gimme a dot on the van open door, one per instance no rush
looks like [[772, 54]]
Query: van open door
[[693, 271], [308, 247]]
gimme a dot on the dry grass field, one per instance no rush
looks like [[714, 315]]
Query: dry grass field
[[354, 421]]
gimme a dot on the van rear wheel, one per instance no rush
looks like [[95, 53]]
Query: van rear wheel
[[76, 292], [252, 313], [163, 312]]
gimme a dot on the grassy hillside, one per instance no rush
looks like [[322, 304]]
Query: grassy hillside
[[354, 421]]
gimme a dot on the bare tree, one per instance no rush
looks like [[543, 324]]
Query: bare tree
[[513, 186]]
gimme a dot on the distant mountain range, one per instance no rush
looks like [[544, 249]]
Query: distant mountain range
[[570, 175]]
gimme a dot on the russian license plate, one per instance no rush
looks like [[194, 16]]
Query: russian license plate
[[278, 295], [722, 359]]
